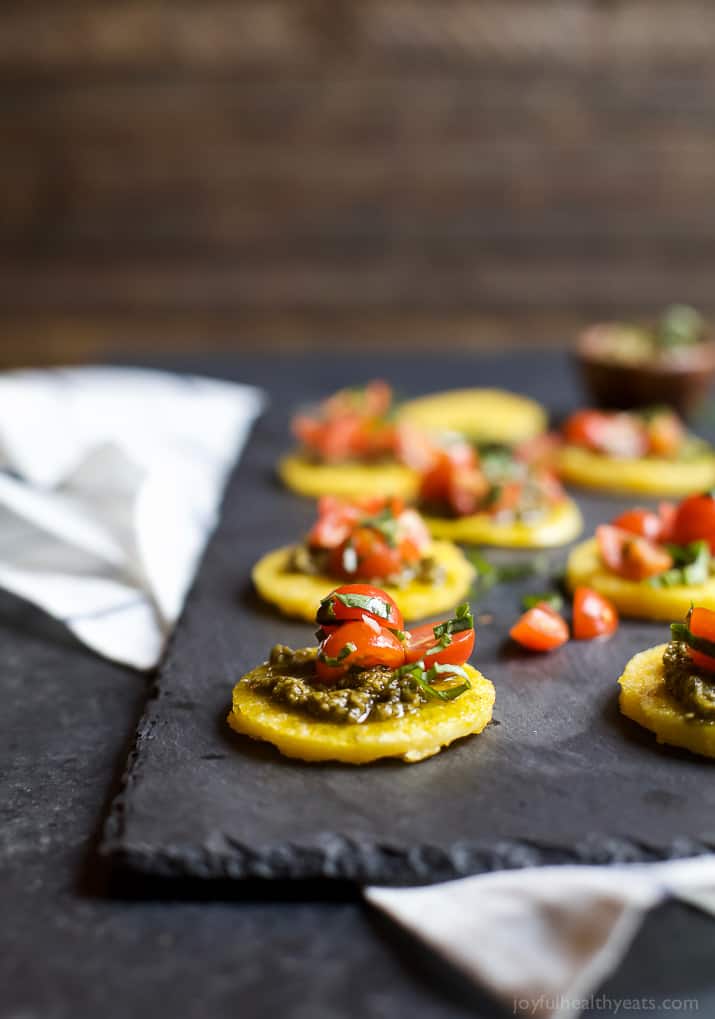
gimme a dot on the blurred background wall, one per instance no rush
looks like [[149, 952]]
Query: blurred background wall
[[179, 175]]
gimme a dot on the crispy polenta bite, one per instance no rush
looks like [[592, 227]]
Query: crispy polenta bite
[[486, 415], [647, 452], [495, 496], [670, 689], [351, 444], [370, 689], [652, 564], [369, 540]]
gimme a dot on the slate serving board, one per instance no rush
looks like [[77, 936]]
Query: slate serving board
[[560, 776]]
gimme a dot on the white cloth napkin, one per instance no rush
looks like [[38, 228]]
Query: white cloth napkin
[[542, 939], [110, 483]]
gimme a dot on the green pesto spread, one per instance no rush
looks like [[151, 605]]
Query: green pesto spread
[[692, 688], [361, 695]]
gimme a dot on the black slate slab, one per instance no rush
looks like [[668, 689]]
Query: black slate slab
[[560, 776]]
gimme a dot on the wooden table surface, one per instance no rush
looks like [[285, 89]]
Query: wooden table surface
[[292, 173]]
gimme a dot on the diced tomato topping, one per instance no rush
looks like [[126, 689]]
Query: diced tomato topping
[[655, 526], [336, 519], [352, 424], [616, 434], [702, 624], [362, 643], [375, 538], [629, 555], [593, 615], [351, 602], [541, 628], [695, 521]]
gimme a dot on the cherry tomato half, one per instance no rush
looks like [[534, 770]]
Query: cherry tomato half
[[362, 643], [422, 645], [695, 521], [702, 624], [353, 601], [593, 615], [629, 555], [541, 628]]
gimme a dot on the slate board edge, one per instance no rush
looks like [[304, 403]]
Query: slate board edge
[[333, 857]]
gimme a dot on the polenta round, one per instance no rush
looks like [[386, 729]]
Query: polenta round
[[634, 598], [559, 525], [645, 699], [411, 738], [297, 594], [487, 415], [641, 475], [347, 480]]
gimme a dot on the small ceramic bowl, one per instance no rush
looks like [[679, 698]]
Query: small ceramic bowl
[[677, 378]]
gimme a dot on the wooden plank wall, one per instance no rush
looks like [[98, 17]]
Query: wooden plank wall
[[176, 174]]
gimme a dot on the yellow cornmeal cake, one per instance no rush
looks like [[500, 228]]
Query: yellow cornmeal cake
[[645, 699], [347, 480], [644, 475], [634, 598], [490, 415], [298, 594], [561, 524], [412, 738]]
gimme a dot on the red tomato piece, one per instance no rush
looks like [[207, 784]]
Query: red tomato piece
[[355, 601], [593, 615], [366, 554], [644, 522], [422, 645], [361, 643], [702, 624], [455, 480], [629, 555], [541, 628], [695, 521]]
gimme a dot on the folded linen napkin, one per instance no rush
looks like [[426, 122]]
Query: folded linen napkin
[[110, 483], [542, 939]]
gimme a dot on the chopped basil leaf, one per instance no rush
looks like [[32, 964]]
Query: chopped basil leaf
[[345, 651], [551, 598], [691, 565], [424, 679], [444, 641], [463, 620], [368, 603], [681, 632]]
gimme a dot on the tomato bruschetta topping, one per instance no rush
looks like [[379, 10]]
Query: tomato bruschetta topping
[[624, 434]]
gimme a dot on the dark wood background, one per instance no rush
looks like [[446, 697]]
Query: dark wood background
[[178, 175]]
